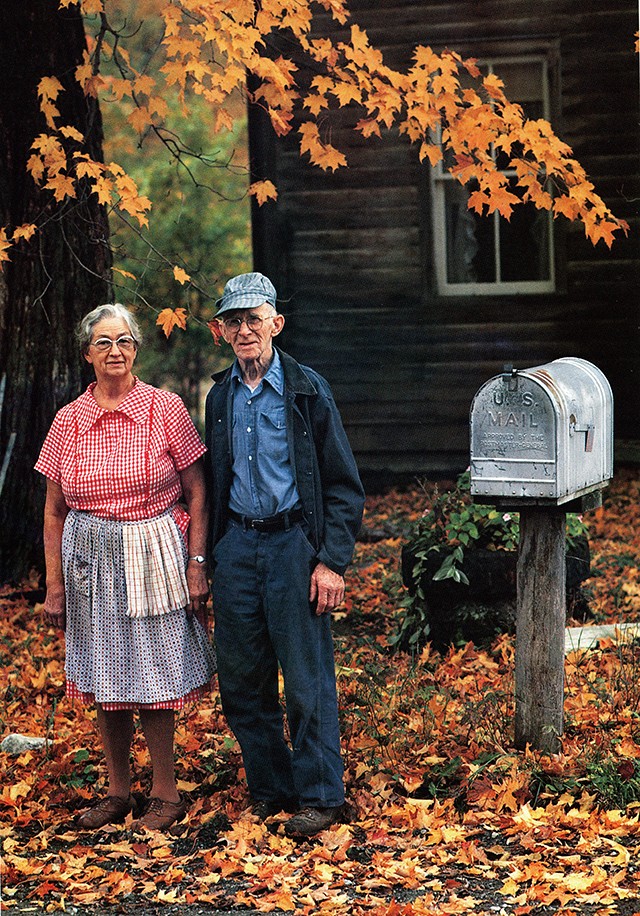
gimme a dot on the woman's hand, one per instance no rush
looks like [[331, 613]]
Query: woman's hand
[[193, 487], [55, 512], [198, 591], [55, 607]]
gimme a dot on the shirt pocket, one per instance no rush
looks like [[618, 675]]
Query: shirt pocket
[[273, 433]]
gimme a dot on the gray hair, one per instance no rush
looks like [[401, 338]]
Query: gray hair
[[110, 310]]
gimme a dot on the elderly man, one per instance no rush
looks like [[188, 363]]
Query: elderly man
[[286, 505]]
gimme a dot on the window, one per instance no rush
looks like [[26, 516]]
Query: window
[[482, 255]]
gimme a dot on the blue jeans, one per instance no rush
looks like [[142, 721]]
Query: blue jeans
[[263, 619]]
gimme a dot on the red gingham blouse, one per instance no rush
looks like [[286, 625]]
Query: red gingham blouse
[[122, 464]]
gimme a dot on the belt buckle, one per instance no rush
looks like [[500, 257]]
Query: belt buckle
[[255, 523]]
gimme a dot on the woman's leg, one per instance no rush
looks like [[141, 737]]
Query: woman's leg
[[116, 729], [158, 727]]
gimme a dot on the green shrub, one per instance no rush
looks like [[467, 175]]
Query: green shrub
[[448, 528]]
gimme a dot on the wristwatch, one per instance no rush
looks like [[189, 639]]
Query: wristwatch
[[198, 558]]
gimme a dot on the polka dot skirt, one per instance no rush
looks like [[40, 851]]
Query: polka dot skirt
[[120, 662]]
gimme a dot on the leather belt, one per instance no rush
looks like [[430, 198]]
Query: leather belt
[[280, 522]]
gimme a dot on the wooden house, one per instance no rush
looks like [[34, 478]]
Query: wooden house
[[403, 299]]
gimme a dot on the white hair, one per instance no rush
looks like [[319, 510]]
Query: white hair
[[110, 310]]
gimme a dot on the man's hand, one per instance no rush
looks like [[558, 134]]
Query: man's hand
[[327, 587]]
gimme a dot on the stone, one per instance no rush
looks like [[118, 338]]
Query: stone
[[15, 744]]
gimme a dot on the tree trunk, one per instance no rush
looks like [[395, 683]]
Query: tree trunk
[[51, 281]]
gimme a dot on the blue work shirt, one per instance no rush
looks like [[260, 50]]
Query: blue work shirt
[[263, 481]]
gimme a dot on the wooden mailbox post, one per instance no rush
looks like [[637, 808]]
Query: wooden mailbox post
[[542, 445]]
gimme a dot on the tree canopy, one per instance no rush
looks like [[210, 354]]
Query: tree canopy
[[196, 58]]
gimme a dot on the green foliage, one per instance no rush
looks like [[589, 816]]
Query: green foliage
[[82, 775], [452, 525], [200, 222], [615, 782]]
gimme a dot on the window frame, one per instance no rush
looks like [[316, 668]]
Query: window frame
[[439, 178]]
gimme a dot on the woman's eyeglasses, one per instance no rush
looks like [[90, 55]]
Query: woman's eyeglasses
[[124, 343]]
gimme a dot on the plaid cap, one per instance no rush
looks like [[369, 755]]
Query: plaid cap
[[246, 291]]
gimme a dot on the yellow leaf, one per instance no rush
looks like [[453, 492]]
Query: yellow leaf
[[430, 152], [49, 87], [181, 275], [24, 232], [140, 119], [5, 244], [368, 127], [71, 133], [88, 168], [92, 7], [510, 888], [168, 319], [185, 786], [315, 103], [263, 191], [224, 120], [124, 273], [104, 189], [62, 186]]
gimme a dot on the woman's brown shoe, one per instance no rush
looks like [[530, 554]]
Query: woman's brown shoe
[[112, 809], [160, 815]]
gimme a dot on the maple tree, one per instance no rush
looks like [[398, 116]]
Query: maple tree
[[52, 280], [209, 49], [444, 816], [211, 52]]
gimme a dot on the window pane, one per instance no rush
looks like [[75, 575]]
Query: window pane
[[524, 244], [470, 239], [523, 83]]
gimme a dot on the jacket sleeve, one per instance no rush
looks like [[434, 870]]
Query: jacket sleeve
[[342, 491]]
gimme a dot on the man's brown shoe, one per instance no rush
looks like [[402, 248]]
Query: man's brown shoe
[[309, 821], [160, 815], [112, 809]]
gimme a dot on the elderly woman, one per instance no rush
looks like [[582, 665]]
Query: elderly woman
[[125, 562]]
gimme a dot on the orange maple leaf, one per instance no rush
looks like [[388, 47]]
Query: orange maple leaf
[[71, 133], [181, 276], [368, 127], [62, 186], [5, 244], [263, 191], [49, 87], [25, 232], [216, 330], [168, 319], [431, 152]]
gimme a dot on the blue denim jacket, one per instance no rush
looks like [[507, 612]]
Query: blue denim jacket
[[324, 467]]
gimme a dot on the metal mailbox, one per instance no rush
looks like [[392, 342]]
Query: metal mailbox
[[542, 436]]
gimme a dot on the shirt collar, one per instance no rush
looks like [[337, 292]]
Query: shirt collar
[[136, 406], [274, 375]]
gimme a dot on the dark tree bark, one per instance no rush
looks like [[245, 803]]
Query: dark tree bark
[[51, 281]]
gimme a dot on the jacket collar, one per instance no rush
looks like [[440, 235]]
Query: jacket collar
[[295, 377]]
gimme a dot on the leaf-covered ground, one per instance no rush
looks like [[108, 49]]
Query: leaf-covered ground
[[444, 816]]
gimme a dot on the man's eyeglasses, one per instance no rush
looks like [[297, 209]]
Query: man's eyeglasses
[[124, 343], [253, 322]]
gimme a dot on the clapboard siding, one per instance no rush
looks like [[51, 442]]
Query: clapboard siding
[[351, 252]]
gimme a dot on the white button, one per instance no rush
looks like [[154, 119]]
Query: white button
[[250, 457], [248, 429], [249, 401]]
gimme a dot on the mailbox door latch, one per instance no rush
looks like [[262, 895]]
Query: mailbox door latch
[[588, 429]]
